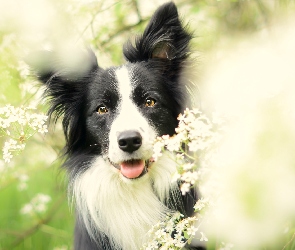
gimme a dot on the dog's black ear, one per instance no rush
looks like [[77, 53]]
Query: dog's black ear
[[164, 38], [65, 78]]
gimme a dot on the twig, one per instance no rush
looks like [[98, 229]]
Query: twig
[[264, 11], [289, 242], [135, 3], [10, 232], [90, 24], [122, 30], [41, 222]]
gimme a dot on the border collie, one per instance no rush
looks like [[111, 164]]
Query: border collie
[[111, 118]]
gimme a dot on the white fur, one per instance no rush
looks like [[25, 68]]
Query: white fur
[[129, 118], [123, 209]]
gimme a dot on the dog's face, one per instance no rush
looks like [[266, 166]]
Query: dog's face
[[128, 107]]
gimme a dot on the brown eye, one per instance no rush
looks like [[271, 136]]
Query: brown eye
[[102, 109], [150, 102]]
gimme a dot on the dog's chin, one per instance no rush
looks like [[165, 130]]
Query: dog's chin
[[133, 168]]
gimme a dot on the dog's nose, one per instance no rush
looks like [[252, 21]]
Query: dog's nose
[[129, 141]]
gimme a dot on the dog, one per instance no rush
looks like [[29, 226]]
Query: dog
[[111, 117]]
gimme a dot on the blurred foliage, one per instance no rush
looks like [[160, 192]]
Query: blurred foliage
[[105, 25]]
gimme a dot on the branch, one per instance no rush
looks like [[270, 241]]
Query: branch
[[122, 30], [41, 222], [90, 24], [289, 242], [135, 3]]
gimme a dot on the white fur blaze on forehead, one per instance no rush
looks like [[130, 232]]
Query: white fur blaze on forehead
[[129, 117], [124, 82]]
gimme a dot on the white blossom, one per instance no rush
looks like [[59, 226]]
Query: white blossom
[[192, 230], [201, 203], [203, 237], [37, 205], [226, 246], [19, 124], [61, 248], [185, 187], [23, 179]]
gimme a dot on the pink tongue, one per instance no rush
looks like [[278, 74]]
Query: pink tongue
[[132, 169]]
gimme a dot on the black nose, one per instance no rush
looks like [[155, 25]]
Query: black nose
[[129, 141]]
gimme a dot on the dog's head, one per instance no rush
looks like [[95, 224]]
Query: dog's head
[[118, 112]]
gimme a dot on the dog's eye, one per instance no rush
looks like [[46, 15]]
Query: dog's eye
[[150, 102], [102, 109]]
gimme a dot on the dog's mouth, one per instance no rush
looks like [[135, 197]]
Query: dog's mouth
[[134, 168]]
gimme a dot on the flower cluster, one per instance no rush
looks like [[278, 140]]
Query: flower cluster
[[225, 246], [37, 205], [195, 135], [174, 233], [11, 146], [23, 182], [201, 204], [19, 124], [194, 139], [61, 248]]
